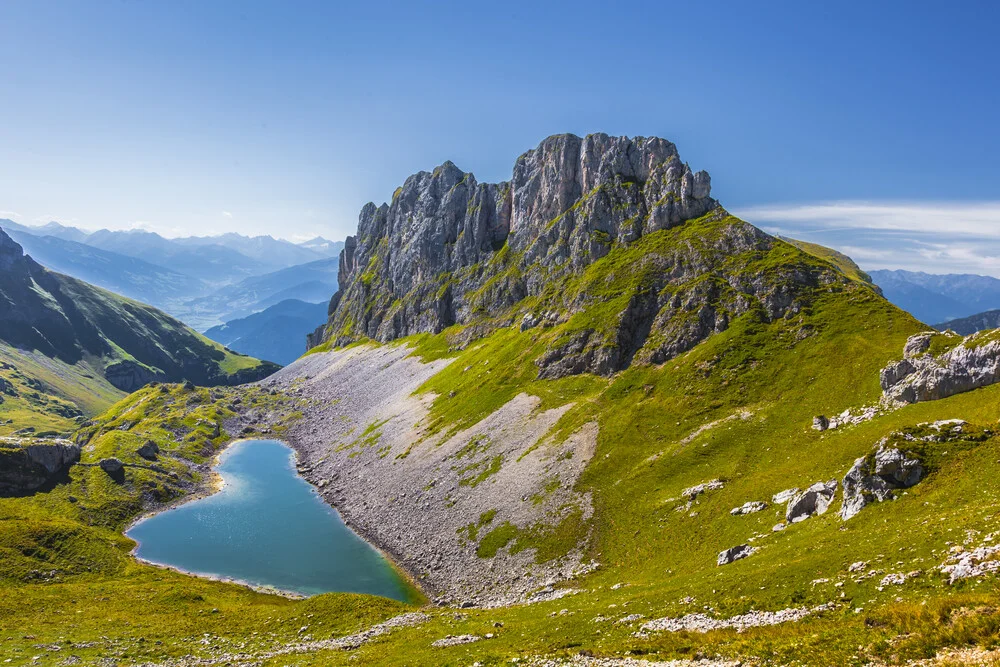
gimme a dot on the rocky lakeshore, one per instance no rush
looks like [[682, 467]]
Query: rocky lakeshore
[[362, 442]]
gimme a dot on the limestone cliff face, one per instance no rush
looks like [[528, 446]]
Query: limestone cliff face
[[450, 250]]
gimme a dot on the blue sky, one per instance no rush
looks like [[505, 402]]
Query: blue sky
[[821, 120]]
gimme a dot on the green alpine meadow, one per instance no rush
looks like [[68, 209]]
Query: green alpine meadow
[[522, 334], [588, 414]]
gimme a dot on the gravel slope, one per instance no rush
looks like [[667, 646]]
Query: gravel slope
[[361, 444]]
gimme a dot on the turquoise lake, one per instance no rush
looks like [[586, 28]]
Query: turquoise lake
[[266, 527]]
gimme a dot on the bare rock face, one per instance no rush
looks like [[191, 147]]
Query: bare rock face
[[450, 250], [111, 466], [917, 344], [814, 500], [749, 507], [148, 450], [734, 554], [919, 376], [26, 464], [876, 478]]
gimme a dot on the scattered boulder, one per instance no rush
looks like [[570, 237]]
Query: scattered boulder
[[705, 623], [845, 418], [112, 466], [814, 500], [783, 497], [897, 578], [735, 553], [698, 489], [749, 508], [971, 564], [149, 450], [949, 425], [877, 477]]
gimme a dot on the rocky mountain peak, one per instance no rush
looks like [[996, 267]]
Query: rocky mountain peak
[[450, 250]]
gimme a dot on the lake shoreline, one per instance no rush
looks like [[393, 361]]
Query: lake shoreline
[[204, 488], [214, 482]]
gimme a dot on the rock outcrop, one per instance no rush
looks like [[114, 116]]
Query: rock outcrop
[[971, 363], [114, 468], [749, 507], [28, 464], [814, 500], [450, 250], [877, 477], [734, 554], [148, 450]]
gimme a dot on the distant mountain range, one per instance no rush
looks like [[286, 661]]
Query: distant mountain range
[[322, 245], [202, 280], [277, 333], [314, 282], [68, 348], [973, 323], [128, 276], [939, 297]]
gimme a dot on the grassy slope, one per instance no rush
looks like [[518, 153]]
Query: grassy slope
[[50, 391], [783, 373], [65, 568], [844, 263]]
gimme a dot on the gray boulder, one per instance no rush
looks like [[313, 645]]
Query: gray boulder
[[917, 344], [877, 478], [112, 466], [749, 508], [734, 554], [530, 321], [972, 363], [814, 500], [149, 450], [783, 497], [695, 491]]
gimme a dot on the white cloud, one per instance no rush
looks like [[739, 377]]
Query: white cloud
[[972, 219], [227, 214], [10, 215], [936, 237]]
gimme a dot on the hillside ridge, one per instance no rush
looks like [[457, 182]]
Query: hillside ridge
[[451, 252], [62, 339]]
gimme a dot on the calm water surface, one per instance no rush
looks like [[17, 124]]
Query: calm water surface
[[267, 527]]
